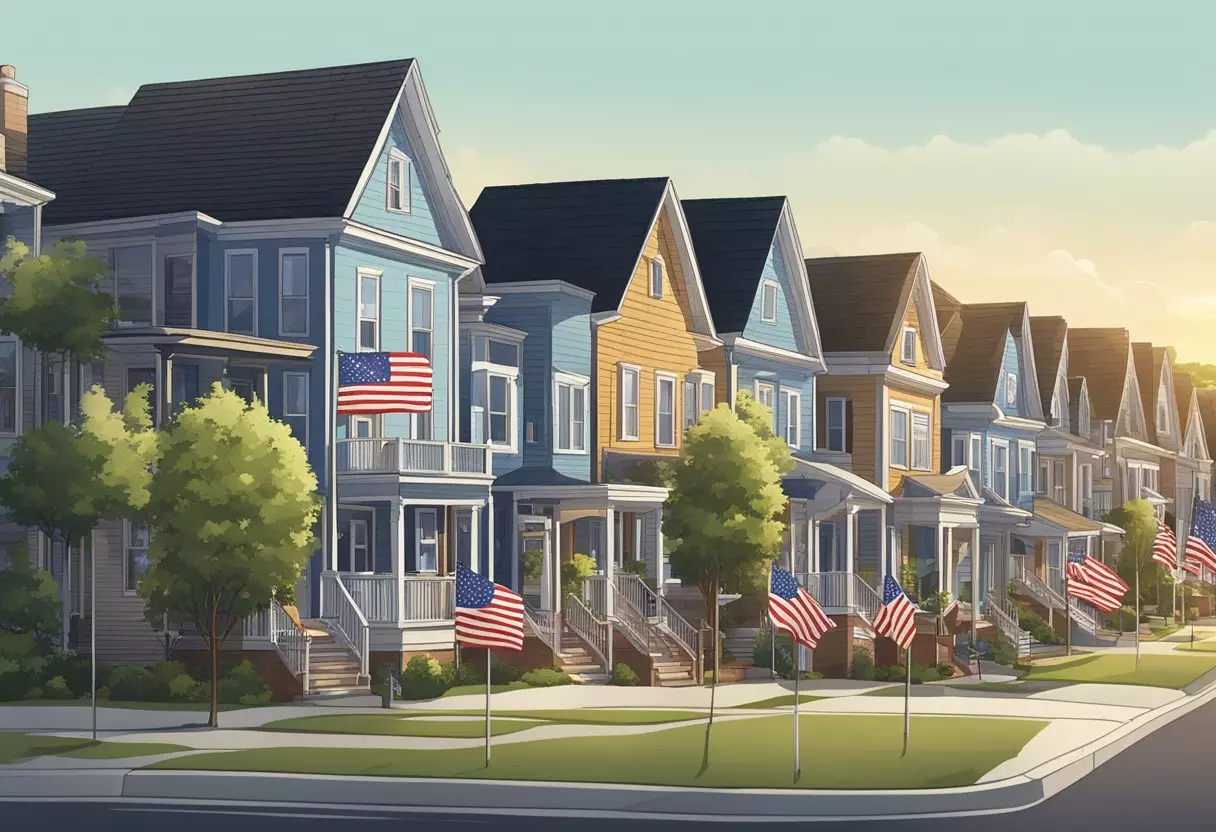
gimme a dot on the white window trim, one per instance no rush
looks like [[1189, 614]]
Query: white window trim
[[418, 541], [928, 466], [844, 426], [421, 283], [792, 394], [658, 258], [767, 285], [993, 444], [1028, 448], [228, 255], [407, 196], [621, 370], [368, 523], [373, 427], [307, 395], [661, 376], [511, 375], [906, 465], [376, 275], [127, 526], [573, 381], [772, 387], [17, 392], [307, 293], [1011, 389], [903, 342]]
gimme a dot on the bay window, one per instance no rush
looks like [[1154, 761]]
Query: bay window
[[570, 432], [422, 338], [899, 437], [922, 443], [240, 281], [132, 286], [293, 292]]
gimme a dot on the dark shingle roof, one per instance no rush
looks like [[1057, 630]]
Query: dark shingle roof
[[1207, 410], [1184, 388], [63, 145], [857, 298], [732, 238], [1076, 389], [1048, 334], [1100, 355], [589, 234], [973, 367], [275, 146], [1147, 375]]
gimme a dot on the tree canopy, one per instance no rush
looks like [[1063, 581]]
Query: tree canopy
[[759, 417], [1139, 522]]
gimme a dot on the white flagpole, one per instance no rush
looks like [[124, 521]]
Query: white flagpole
[[797, 667], [772, 643], [331, 554], [907, 703], [487, 707]]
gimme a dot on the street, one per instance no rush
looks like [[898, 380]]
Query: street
[[1161, 782]]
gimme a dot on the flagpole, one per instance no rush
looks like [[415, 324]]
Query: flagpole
[[332, 532], [908, 702], [797, 667], [488, 707], [1137, 613], [1067, 613], [772, 643]]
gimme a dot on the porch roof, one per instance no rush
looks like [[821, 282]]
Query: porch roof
[[1153, 497], [999, 510], [209, 343], [805, 469], [1049, 512], [595, 495], [955, 483]]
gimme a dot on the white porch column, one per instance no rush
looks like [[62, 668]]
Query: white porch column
[[976, 591], [638, 554], [610, 544], [850, 514], [397, 522], [940, 544], [515, 546], [812, 544], [490, 541], [660, 582], [946, 577], [884, 541], [791, 538], [550, 573], [475, 540]]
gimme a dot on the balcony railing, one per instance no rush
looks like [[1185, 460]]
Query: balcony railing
[[426, 597], [394, 455]]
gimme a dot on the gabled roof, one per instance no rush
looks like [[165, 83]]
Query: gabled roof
[[973, 367], [948, 322], [861, 301], [590, 234], [1207, 409], [1049, 334], [1148, 374], [1100, 354], [1078, 390], [280, 145], [1062, 517], [954, 483]]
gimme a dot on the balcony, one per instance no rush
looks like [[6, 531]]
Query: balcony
[[394, 455]]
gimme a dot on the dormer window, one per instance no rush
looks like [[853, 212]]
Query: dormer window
[[1163, 413], [1011, 390], [768, 302], [656, 277], [907, 346], [398, 182], [1055, 410]]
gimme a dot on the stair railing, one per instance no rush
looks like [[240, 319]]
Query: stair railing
[[1008, 626], [348, 620], [545, 625], [595, 632], [291, 641], [639, 595]]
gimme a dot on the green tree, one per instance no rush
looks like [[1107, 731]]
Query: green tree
[[1138, 520], [723, 508], [760, 418], [56, 304], [232, 509]]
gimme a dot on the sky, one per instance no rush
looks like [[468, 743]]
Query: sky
[[1059, 153]]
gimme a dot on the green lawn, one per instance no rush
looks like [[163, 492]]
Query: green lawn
[[1163, 671], [1159, 633], [1197, 647], [465, 690], [132, 706], [17, 747], [581, 716], [991, 687], [838, 751], [779, 701], [397, 726]]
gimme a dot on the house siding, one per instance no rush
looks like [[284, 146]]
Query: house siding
[[863, 392], [420, 223], [919, 403], [921, 365], [782, 332]]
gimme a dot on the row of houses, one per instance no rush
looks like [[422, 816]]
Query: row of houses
[[256, 226]]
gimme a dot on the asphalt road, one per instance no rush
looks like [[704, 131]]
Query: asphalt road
[[1163, 782]]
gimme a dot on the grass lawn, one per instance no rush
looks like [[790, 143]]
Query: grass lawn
[[580, 716], [1197, 647], [991, 687], [1161, 671], [838, 751], [397, 726], [779, 701], [17, 747], [465, 690], [1159, 633], [133, 706]]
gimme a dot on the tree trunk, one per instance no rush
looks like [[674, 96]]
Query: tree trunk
[[214, 721]]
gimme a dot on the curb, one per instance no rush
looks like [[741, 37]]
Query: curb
[[573, 799]]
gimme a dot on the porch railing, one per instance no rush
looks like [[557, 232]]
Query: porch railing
[[1085, 615], [395, 455], [375, 595], [595, 594], [1008, 626], [348, 620], [545, 625], [636, 593], [291, 642], [842, 590], [595, 631], [429, 598]]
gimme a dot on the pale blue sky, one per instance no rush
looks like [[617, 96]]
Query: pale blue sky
[[891, 125]]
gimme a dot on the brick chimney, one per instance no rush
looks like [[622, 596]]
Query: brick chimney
[[14, 109]]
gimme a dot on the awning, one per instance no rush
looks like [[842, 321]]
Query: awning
[[848, 483], [1054, 520], [208, 343]]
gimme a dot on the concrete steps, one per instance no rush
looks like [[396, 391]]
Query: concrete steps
[[333, 668]]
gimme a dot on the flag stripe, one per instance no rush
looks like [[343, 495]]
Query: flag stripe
[[487, 614], [791, 608], [395, 382]]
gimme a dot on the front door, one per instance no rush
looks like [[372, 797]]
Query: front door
[[464, 538]]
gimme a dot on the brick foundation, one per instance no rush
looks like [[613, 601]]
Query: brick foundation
[[623, 652], [834, 655], [284, 687], [536, 654]]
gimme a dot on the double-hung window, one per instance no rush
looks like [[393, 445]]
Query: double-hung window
[[1011, 389], [295, 405], [426, 539], [836, 424], [135, 556], [664, 410], [571, 429], [10, 385], [240, 278], [973, 465], [922, 447], [293, 292], [369, 310], [500, 409], [360, 546], [1025, 466], [1000, 470], [907, 346], [398, 185], [656, 277], [791, 422], [690, 402], [766, 394], [899, 437], [132, 267], [768, 301], [422, 341], [630, 388]]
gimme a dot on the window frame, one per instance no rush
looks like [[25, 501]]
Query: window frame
[[369, 549], [829, 401], [510, 399], [1026, 454], [571, 382], [404, 183], [228, 255], [771, 386], [306, 297], [656, 261], [1003, 445], [149, 243], [791, 405], [128, 526], [429, 286], [624, 370], [419, 541], [916, 415], [1011, 389], [906, 413], [1163, 413], [662, 377], [904, 358], [18, 354], [689, 419], [300, 375], [362, 273], [766, 286]]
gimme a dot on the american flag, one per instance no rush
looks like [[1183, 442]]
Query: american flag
[[1199, 542], [1092, 580], [792, 608], [896, 617], [487, 614], [384, 382], [1165, 547]]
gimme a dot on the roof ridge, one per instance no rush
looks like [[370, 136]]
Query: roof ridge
[[255, 76]]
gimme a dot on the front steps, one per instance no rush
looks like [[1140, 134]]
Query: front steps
[[576, 659], [333, 667]]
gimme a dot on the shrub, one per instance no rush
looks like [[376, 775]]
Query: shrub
[[57, 688], [464, 674], [944, 669], [1001, 652], [1128, 615], [762, 654], [243, 686], [75, 670], [185, 688], [129, 683], [23, 661], [502, 673], [623, 676], [574, 572], [532, 564], [863, 665], [546, 677], [34, 693], [1192, 613], [103, 693], [162, 675], [635, 567], [422, 678]]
